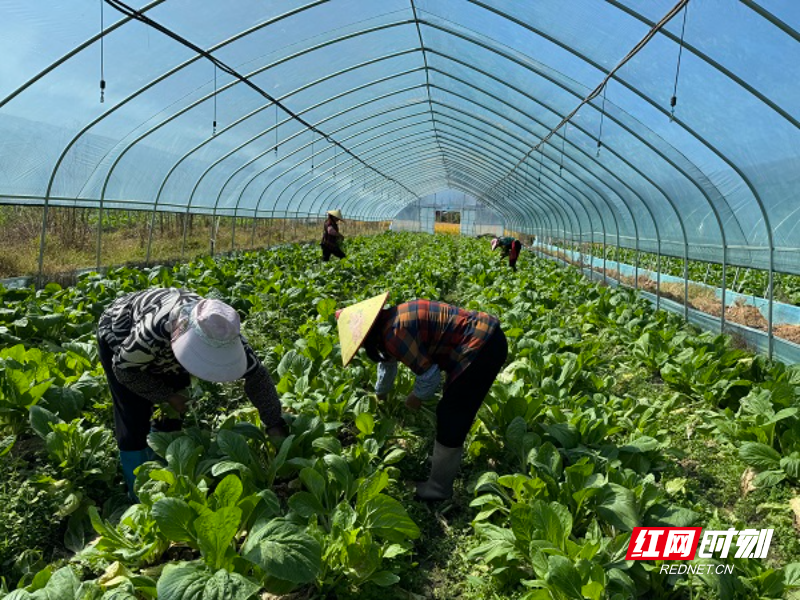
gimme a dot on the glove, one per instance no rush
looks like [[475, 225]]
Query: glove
[[413, 403], [278, 433], [178, 402]]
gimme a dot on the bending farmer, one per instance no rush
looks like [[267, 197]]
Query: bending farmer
[[331, 237], [150, 342], [509, 247], [429, 337]]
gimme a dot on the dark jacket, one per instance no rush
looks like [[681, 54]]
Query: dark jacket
[[329, 239]]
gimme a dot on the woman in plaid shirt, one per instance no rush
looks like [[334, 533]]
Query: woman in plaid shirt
[[429, 337]]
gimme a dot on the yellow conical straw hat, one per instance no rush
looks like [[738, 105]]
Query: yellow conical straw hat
[[336, 213], [354, 324]]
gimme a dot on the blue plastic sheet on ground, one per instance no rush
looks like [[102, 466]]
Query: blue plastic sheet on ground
[[782, 313], [783, 350]]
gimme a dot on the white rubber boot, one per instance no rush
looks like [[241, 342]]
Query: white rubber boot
[[445, 463]]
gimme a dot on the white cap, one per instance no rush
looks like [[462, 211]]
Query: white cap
[[206, 341]]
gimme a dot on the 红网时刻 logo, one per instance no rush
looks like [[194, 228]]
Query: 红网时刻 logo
[[683, 543]]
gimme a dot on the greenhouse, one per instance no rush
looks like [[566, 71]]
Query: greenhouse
[[585, 214]]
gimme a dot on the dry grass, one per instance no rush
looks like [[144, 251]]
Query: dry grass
[[788, 332], [126, 242], [447, 228]]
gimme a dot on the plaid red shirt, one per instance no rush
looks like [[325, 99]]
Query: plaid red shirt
[[422, 333]]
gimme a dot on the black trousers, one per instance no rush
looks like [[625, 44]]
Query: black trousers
[[327, 251], [516, 247], [462, 398], [133, 413]]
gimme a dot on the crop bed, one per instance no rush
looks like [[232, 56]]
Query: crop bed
[[607, 415]]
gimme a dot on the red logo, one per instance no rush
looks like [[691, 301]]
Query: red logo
[[663, 543]]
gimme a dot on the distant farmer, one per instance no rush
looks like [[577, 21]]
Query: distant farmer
[[509, 247], [151, 341], [429, 337], [331, 238]]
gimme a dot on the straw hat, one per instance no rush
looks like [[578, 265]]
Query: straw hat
[[206, 341], [355, 323], [336, 214]]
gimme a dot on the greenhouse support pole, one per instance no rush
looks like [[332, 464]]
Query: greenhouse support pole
[[686, 281], [150, 236], [40, 276], [99, 233], [285, 227], [212, 234], [658, 276], [539, 247], [270, 231], [636, 267], [572, 237], [233, 232], [591, 242], [580, 233], [253, 233], [770, 314], [724, 286], [545, 251], [185, 222], [542, 239]]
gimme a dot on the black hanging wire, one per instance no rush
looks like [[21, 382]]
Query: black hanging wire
[[102, 55], [525, 167], [214, 125], [602, 118], [541, 163], [673, 12], [312, 152], [563, 144], [674, 100], [128, 11], [276, 129]]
